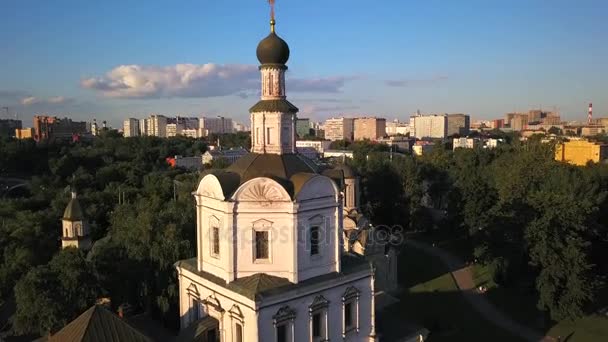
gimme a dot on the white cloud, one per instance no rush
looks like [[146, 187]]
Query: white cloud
[[56, 100], [30, 100], [196, 80], [181, 80], [320, 85]]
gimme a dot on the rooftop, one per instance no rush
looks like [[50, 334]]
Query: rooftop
[[98, 324], [260, 285]]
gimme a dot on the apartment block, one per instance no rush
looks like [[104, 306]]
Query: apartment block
[[369, 128], [339, 129], [130, 128], [429, 126], [458, 124], [218, 125]]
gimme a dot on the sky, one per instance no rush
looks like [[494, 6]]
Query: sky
[[115, 59]]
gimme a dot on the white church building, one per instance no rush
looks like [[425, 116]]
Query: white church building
[[271, 262]]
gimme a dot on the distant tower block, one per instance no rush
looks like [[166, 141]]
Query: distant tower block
[[590, 115], [75, 227]]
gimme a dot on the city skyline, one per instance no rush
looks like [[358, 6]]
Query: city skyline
[[113, 60]]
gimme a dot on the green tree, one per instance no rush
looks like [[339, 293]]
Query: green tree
[[49, 296]]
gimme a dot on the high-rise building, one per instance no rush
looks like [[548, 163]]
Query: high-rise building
[[458, 124], [369, 128], [143, 127], [52, 128], [218, 125], [396, 127], [8, 127], [130, 128], [428, 126], [519, 122], [157, 126], [339, 129], [302, 127]]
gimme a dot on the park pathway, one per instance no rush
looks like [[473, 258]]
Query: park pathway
[[464, 280]]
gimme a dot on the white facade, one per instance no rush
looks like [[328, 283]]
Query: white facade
[[465, 143], [218, 125], [397, 128], [230, 155], [143, 127], [319, 145], [174, 129], [156, 125], [339, 129], [338, 154], [270, 263], [130, 128], [428, 126]]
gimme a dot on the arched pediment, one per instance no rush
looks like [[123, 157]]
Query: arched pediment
[[319, 302], [351, 292], [193, 290], [214, 302], [210, 186], [285, 313], [261, 189], [235, 311], [315, 187]]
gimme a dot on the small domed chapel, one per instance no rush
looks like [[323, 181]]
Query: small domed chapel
[[273, 261]]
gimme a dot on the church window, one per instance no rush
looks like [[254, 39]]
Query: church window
[[194, 310], [268, 135], [318, 319], [348, 315], [257, 135], [350, 307], [261, 245], [238, 332], [282, 333], [215, 240], [314, 240], [316, 326], [271, 85], [283, 323]]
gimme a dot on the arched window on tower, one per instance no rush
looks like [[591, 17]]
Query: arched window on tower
[[271, 85]]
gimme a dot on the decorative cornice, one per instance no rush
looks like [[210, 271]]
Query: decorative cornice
[[274, 106]]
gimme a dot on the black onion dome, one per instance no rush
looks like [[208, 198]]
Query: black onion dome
[[273, 49]]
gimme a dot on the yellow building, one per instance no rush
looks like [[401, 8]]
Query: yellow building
[[579, 152], [25, 133]]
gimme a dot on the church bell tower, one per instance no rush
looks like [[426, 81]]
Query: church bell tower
[[75, 229], [273, 118]]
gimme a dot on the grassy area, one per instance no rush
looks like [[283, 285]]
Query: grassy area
[[432, 300], [521, 306]]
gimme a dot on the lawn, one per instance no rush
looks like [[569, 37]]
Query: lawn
[[431, 299], [521, 307]]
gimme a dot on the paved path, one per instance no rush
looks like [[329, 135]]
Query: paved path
[[464, 280]]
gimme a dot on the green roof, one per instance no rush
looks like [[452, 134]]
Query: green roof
[[274, 106], [281, 168], [73, 212], [262, 285], [98, 324]]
